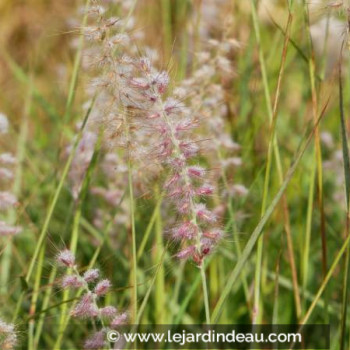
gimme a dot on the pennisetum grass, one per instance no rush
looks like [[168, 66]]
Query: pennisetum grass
[[138, 85]]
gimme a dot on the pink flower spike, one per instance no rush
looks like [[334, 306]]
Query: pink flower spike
[[195, 171], [185, 231], [145, 64], [186, 125], [206, 246], [108, 311], [204, 214], [91, 275], [7, 158], [162, 82], [4, 124], [85, 308], [71, 281], [139, 83], [214, 235], [8, 230], [153, 116], [205, 190], [171, 104], [102, 287], [186, 252], [119, 320], [189, 149], [8, 336], [175, 178], [66, 258], [6, 174], [7, 200], [97, 341]]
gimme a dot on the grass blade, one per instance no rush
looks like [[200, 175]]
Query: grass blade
[[258, 230], [346, 162]]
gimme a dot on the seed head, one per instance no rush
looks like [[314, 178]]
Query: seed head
[[7, 200], [91, 275], [97, 341], [102, 287], [8, 230], [86, 308], [7, 159], [204, 214], [66, 258], [196, 171], [108, 311], [4, 124], [119, 320], [187, 230], [8, 336], [6, 174], [186, 252], [71, 281]]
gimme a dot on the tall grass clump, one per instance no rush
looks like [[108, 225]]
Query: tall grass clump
[[152, 123]]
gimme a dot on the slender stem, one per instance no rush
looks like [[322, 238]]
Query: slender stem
[[133, 235], [328, 276], [132, 218], [76, 67], [306, 245], [205, 293], [318, 153]]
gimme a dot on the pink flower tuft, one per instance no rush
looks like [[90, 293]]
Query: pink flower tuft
[[4, 124], [7, 200], [91, 275], [6, 174], [205, 190], [215, 235], [162, 82], [66, 258], [97, 341], [71, 281], [7, 158], [119, 320], [102, 287], [196, 171], [204, 214], [8, 336], [186, 252], [108, 311], [185, 231], [86, 307], [8, 230]]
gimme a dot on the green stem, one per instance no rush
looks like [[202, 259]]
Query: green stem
[[133, 237], [205, 294]]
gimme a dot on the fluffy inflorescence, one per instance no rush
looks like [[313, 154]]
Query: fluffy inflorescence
[[162, 128], [207, 98], [8, 336], [7, 199], [88, 305]]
